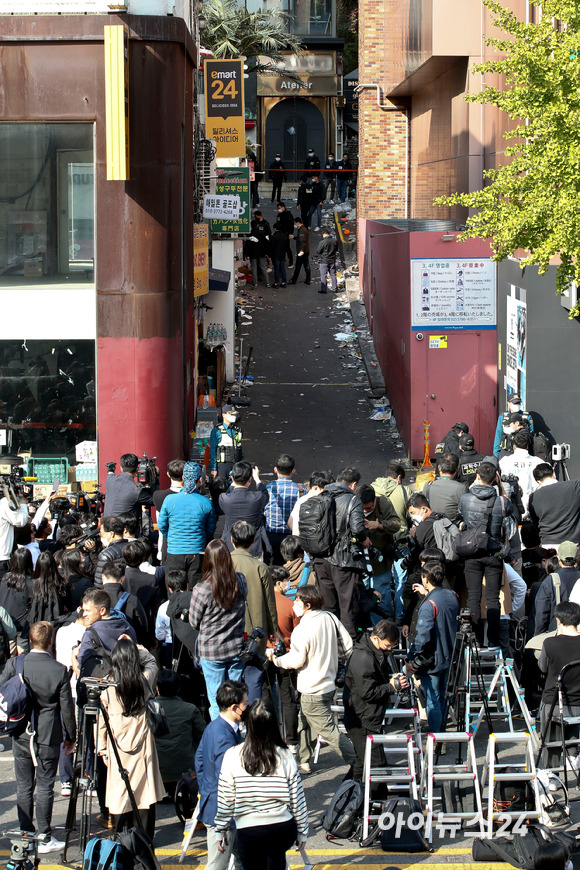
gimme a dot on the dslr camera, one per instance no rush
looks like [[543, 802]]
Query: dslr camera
[[250, 654]]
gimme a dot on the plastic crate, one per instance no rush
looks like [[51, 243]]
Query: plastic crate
[[48, 469]]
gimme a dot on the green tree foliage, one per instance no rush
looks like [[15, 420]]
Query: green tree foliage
[[533, 202], [347, 29], [232, 31]]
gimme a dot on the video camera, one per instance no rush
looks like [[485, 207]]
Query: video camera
[[250, 654], [147, 474], [464, 620], [90, 530]]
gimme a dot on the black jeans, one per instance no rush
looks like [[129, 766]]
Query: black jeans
[[358, 736], [301, 261], [188, 562], [491, 568], [340, 592], [287, 688], [277, 189], [28, 777], [264, 847]]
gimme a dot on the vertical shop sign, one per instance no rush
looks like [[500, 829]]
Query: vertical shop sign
[[234, 182], [516, 348], [200, 263], [116, 39], [224, 106]]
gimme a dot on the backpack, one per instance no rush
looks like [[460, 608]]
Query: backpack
[[138, 849], [317, 524], [345, 809], [396, 833], [119, 608], [105, 855], [541, 447], [521, 850], [445, 532], [96, 663], [186, 796], [15, 702]]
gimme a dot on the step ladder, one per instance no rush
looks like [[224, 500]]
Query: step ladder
[[399, 778], [504, 674], [435, 774], [499, 771], [487, 676]]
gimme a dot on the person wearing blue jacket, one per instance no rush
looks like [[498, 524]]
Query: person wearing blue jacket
[[187, 520], [429, 655], [219, 736]]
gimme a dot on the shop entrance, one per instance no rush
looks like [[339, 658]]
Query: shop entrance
[[293, 126]]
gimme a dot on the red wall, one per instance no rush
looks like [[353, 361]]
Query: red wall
[[441, 385]]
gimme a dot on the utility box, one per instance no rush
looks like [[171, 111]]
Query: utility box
[[431, 304]]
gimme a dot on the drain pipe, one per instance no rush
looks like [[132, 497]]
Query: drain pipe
[[389, 107]]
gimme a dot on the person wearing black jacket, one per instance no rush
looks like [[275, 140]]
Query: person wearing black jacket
[[256, 247], [53, 712], [326, 250], [546, 599], [305, 198], [330, 176], [286, 220], [318, 194], [133, 610], [344, 173], [312, 161], [112, 530], [277, 176], [481, 501], [278, 249], [302, 252], [368, 687], [469, 459], [339, 574]]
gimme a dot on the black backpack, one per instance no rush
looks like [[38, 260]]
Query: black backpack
[[138, 849], [186, 796], [317, 524], [397, 836], [541, 447], [521, 850], [345, 810]]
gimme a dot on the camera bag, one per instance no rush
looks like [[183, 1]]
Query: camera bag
[[105, 855], [344, 812], [400, 837], [186, 796]]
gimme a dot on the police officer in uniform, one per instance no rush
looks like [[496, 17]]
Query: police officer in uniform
[[225, 444], [469, 460]]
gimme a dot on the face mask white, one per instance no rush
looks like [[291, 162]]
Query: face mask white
[[298, 609], [416, 519], [277, 160]]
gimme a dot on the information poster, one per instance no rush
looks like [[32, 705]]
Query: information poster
[[200, 261], [453, 293], [232, 183], [515, 348]]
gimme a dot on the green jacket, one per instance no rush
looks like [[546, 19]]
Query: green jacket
[[176, 750], [399, 495], [261, 602]]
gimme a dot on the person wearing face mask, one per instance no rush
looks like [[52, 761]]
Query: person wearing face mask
[[381, 523], [330, 177], [111, 532], [430, 653], [344, 173], [287, 622], [312, 161], [422, 518], [286, 221], [368, 688], [315, 647], [514, 406], [225, 443], [219, 736], [277, 177]]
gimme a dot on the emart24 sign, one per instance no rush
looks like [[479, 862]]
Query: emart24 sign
[[224, 106]]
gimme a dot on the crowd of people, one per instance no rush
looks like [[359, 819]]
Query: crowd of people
[[259, 600]]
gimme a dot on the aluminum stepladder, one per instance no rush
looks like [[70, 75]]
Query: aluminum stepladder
[[523, 771], [495, 682], [505, 673], [435, 773], [399, 778]]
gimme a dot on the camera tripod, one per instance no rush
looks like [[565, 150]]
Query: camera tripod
[[465, 651], [82, 782]]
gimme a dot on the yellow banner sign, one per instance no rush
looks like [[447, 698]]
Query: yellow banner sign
[[200, 261], [224, 106]]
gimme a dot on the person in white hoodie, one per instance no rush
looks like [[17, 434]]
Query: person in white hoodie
[[317, 642]]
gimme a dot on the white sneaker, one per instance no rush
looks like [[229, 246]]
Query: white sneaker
[[51, 845], [573, 763], [316, 229], [305, 767], [65, 789]]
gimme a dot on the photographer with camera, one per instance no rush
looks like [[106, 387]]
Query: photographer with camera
[[368, 688], [315, 647], [429, 655], [122, 494], [13, 515], [112, 532], [554, 507], [260, 600], [381, 523]]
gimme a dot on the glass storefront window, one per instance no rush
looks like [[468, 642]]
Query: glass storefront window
[[46, 204]]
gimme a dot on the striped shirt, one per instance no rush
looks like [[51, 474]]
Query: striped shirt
[[260, 800], [283, 496]]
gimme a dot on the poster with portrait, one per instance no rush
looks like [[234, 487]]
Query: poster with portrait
[[516, 348]]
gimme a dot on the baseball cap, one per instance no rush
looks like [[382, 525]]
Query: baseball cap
[[492, 460], [515, 399], [228, 409], [466, 440], [515, 418], [463, 426], [568, 550]]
